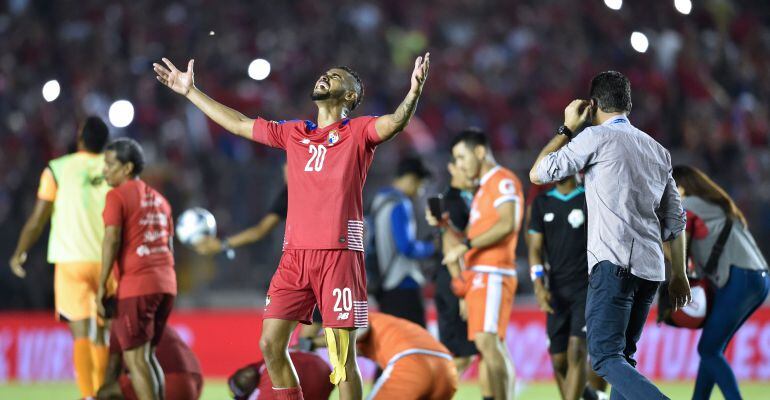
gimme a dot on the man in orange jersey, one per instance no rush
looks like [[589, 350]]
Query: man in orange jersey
[[415, 365], [489, 256]]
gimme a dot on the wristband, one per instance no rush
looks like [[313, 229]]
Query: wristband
[[224, 245], [536, 271], [227, 249]]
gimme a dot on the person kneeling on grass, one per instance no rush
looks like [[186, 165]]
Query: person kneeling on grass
[[253, 382], [181, 369], [415, 365]]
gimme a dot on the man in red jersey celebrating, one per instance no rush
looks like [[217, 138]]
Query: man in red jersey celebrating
[[323, 262], [138, 237]]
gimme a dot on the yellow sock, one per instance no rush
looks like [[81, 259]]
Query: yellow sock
[[99, 355], [81, 356], [338, 356]]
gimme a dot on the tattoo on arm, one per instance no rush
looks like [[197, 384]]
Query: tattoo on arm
[[404, 112]]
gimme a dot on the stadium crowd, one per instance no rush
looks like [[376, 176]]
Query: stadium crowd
[[702, 89]]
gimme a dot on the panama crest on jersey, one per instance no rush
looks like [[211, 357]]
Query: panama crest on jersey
[[333, 138]]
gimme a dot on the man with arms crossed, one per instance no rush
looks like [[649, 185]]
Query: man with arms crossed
[[71, 195], [323, 261], [633, 205], [138, 234], [489, 251]]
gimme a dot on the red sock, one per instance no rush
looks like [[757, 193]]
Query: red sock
[[294, 393]]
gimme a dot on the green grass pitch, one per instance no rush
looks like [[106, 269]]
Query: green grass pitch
[[217, 390]]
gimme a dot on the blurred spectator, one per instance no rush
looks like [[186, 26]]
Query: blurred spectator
[[508, 67], [398, 249]]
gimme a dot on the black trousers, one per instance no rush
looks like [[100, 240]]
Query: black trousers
[[403, 303]]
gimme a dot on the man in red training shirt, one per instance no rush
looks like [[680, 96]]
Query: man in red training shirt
[[138, 240], [253, 382], [181, 370]]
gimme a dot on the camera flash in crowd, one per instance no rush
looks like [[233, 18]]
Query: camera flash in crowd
[[121, 113], [639, 42], [51, 90], [259, 69], [614, 4]]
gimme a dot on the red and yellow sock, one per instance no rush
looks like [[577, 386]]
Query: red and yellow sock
[[294, 393]]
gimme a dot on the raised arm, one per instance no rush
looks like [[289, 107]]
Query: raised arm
[[184, 84], [388, 126], [568, 162]]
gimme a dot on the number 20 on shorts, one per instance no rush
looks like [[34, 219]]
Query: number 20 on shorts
[[343, 296]]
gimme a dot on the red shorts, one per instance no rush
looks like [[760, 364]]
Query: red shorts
[[141, 319], [179, 386], [334, 279]]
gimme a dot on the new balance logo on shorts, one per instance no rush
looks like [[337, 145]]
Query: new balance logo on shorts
[[343, 316]]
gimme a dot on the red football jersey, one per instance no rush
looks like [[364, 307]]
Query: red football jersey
[[326, 171], [145, 263]]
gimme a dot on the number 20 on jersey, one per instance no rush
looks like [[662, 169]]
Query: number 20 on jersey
[[317, 157]]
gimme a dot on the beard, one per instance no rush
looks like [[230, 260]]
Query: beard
[[315, 96]]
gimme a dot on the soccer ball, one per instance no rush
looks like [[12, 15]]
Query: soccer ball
[[194, 224]]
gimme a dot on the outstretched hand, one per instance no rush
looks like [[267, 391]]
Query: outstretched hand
[[208, 245], [178, 81], [420, 72]]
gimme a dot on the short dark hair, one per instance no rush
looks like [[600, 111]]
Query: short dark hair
[[244, 381], [128, 150], [472, 137], [612, 91], [412, 165], [94, 134], [359, 85]]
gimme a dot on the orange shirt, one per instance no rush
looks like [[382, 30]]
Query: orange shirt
[[389, 335], [497, 186]]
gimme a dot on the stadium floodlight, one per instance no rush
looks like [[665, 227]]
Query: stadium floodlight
[[639, 42], [51, 90], [259, 69], [683, 6], [121, 113], [614, 4]]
